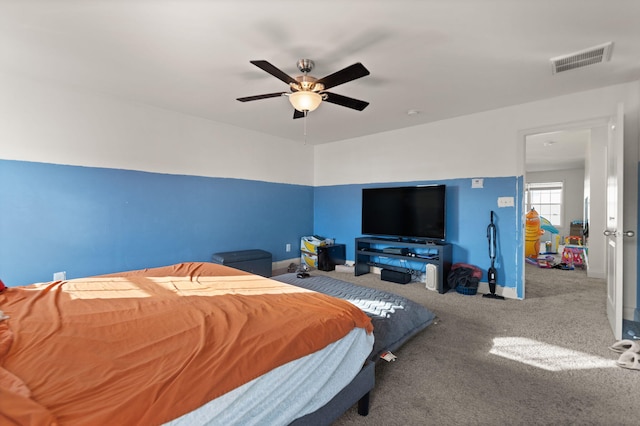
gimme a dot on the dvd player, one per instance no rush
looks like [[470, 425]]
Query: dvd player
[[402, 251]]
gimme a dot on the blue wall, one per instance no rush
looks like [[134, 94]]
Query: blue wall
[[337, 213], [88, 221]]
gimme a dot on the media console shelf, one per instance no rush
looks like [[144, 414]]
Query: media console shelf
[[435, 253]]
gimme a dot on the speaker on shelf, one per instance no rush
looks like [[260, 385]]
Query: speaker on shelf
[[395, 276]]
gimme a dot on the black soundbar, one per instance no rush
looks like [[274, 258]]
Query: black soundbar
[[395, 276]]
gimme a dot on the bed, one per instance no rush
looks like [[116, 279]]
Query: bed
[[395, 319], [193, 343]]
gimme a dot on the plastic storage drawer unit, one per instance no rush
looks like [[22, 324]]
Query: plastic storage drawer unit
[[255, 261]]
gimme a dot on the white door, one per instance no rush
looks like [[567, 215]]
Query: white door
[[614, 231]]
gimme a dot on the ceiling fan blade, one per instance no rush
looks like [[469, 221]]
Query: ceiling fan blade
[[257, 97], [297, 114], [345, 101], [345, 75], [277, 73]]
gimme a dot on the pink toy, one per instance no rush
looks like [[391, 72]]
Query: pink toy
[[574, 255]]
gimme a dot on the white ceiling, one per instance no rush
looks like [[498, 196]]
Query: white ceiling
[[444, 58], [562, 150]]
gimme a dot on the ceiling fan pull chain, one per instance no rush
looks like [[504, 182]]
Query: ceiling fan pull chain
[[304, 119]]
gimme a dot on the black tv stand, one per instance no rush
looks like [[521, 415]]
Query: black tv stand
[[439, 255], [412, 240]]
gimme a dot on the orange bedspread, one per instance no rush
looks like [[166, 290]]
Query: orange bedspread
[[145, 347]]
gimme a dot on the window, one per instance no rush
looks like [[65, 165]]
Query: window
[[546, 198]]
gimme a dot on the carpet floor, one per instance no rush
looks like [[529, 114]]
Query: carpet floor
[[544, 360]]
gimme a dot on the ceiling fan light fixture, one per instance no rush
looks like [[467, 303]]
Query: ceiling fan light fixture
[[305, 100], [307, 92]]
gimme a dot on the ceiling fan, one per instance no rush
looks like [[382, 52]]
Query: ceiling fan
[[307, 92]]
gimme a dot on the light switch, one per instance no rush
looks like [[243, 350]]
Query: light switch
[[505, 202], [477, 183]]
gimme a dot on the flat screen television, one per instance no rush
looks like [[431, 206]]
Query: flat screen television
[[411, 212]]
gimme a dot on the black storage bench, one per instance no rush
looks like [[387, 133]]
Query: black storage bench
[[255, 261]]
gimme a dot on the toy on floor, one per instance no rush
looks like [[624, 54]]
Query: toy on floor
[[546, 262], [546, 225], [575, 255], [573, 240], [551, 246], [542, 262], [532, 234]]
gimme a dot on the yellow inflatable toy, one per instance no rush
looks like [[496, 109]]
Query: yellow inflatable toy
[[532, 234]]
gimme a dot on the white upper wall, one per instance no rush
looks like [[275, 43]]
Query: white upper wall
[[486, 144], [49, 123], [52, 124]]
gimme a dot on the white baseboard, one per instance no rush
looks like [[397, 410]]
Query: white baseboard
[[506, 292], [483, 288], [600, 274], [629, 313], [284, 264], [345, 268]]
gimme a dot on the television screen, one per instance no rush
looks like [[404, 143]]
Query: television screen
[[409, 212]]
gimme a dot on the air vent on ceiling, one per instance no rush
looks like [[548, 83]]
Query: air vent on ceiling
[[590, 56]]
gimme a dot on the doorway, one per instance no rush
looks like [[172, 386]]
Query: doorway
[[569, 158]]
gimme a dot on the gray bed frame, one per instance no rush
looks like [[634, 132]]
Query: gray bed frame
[[358, 390], [395, 320]]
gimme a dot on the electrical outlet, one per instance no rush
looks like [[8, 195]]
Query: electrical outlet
[[288, 248], [60, 276]]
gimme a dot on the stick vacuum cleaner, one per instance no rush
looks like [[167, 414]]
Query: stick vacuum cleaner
[[492, 274]]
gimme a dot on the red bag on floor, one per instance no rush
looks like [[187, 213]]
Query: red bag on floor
[[464, 275]]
